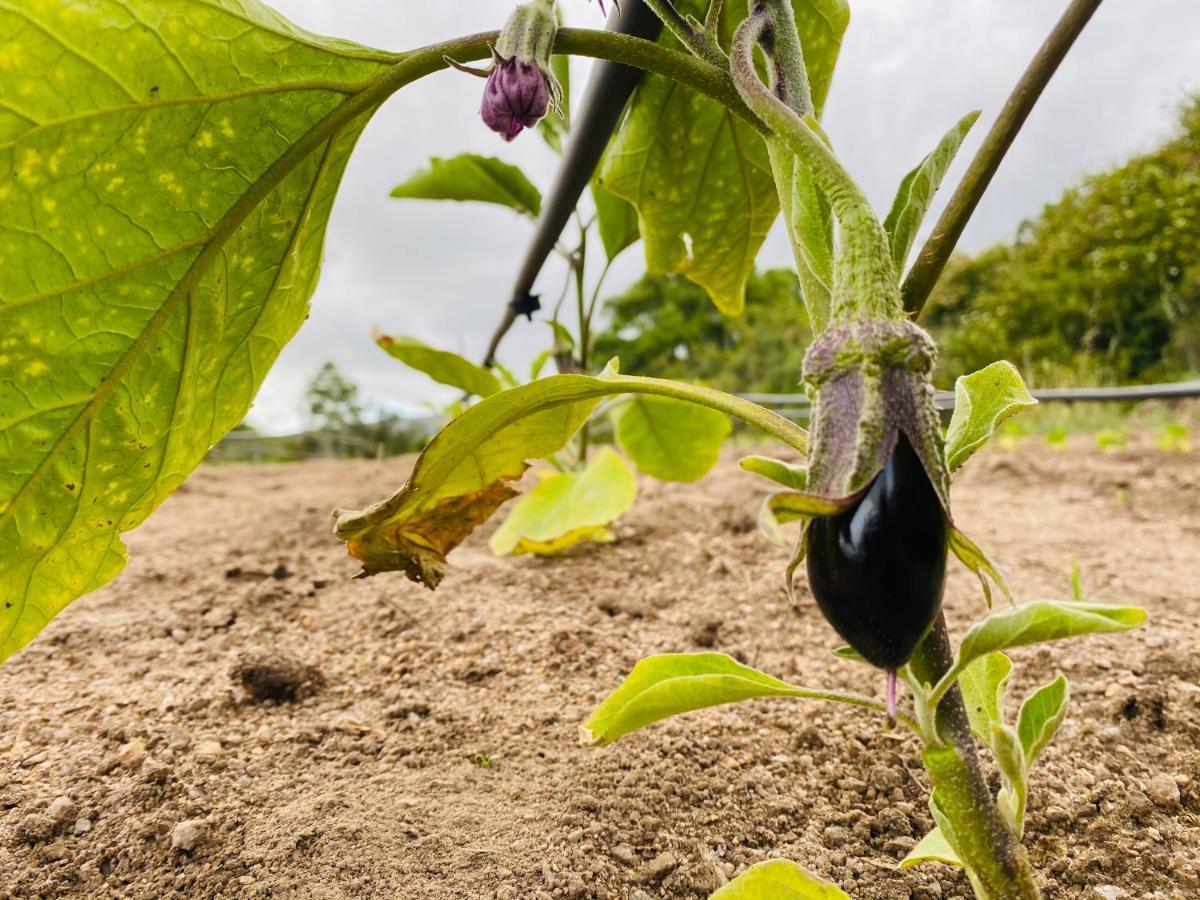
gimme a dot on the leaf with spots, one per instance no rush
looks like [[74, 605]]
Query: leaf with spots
[[166, 173], [699, 177]]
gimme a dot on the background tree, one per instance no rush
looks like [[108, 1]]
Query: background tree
[[332, 401], [1102, 286]]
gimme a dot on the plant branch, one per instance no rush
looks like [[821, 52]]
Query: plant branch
[[698, 42], [933, 256]]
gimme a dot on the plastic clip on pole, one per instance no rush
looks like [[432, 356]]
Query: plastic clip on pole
[[609, 89]]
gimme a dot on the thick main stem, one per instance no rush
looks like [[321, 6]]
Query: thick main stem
[[988, 846]]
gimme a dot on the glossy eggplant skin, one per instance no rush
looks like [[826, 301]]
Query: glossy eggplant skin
[[877, 569]]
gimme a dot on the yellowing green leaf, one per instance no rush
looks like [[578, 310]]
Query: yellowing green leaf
[[471, 177], [779, 879], [674, 683], [166, 173], [442, 366], [915, 195], [788, 474], [932, 848], [486, 447], [670, 440], [566, 508], [983, 400], [699, 177]]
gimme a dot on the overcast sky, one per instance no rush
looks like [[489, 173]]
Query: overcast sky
[[908, 70]]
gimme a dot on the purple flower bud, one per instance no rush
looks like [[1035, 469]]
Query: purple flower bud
[[516, 97]]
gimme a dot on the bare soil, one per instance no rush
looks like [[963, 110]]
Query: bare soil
[[236, 717]]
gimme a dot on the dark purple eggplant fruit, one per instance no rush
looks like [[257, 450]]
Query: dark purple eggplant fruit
[[877, 569]]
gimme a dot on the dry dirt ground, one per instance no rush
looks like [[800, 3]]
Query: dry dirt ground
[[425, 748]]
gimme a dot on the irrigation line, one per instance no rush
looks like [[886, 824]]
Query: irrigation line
[[798, 404]]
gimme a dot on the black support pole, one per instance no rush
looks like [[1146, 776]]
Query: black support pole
[[608, 92]]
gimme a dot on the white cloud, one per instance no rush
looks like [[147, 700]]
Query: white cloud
[[909, 69]]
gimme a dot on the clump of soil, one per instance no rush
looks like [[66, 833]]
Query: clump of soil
[[276, 676], [440, 760]]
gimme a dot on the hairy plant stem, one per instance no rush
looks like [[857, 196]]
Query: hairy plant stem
[[699, 42], [865, 282], [932, 259], [985, 842]]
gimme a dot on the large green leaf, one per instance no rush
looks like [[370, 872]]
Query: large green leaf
[[779, 879], [471, 177], [166, 172], [1036, 623], [464, 473], [984, 683], [567, 508], [1041, 715], [983, 400], [674, 683], [668, 439], [442, 366], [916, 191], [700, 178]]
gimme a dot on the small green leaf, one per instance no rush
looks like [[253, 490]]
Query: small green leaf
[[972, 556], [796, 506], [1041, 715], [1011, 761], [564, 341], [567, 508], [851, 654], [932, 848], [471, 177], [442, 366], [982, 401], [1035, 623], [917, 189], [539, 364], [984, 683], [464, 473], [790, 475], [670, 440], [616, 220], [779, 879], [1076, 580], [674, 683]]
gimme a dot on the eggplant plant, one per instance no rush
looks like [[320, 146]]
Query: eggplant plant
[[166, 174]]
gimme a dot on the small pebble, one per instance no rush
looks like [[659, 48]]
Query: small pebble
[[208, 750], [1163, 792], [82, 826], [660, 867], [63, 809], [187, 836], [132, 754]]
